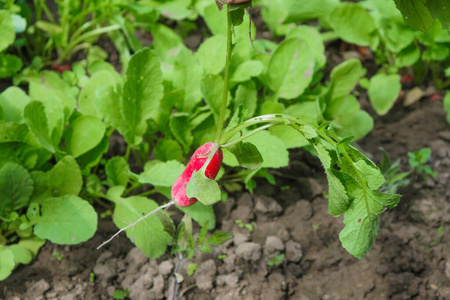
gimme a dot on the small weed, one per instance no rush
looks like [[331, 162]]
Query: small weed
[[191, 269], [221, 256], [56, 255], [121, 294], [250, 226], [276, 260], [91, 277], [438, 237], [419, 160]]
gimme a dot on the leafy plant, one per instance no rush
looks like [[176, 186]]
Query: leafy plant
[[390, 171], [276, 260], [418, 160], [191, 269], [169, 101], [249, 226], [121, 294]]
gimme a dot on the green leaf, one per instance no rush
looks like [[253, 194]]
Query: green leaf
[[65, 177], [303, 10], [312, 36], [52, 29], [22, 255], [275, 14], [408, 56], [357, 124], [361, 220], [179, 125], [373, 175], [237, 16], [206, 190], [92, 157], [117, 171], [16, 187], [36, 120], [41, 191], [109, 105], [166, 149], [201, 214], [161, 173], [353, 24], [205, 249], [344, 78], [439, 10], [12, 102], [272, 149], [33, 244], [20, 153], [84, 134], [6, 257], [212, 90], [6, 30], [149, 234], [415, 14], [91, 91], [447, 105], [353, 183], [66, 220], [186, 75], [291, 69], [383, 92], [142, 93], [290, 137], [247, 155], [13, 132], [49, 85], [246, 94], [211, 54], [166, 42], [396, 35], [9, 65], [219, 237], [247, 70], [237, 118]]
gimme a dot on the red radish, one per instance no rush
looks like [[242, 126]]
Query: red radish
[[197, 161], [61, 68]]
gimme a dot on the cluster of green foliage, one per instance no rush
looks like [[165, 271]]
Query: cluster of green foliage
[[167, 101], [379, 25]]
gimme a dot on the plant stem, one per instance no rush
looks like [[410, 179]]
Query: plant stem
[[84, 37], [223, 108], [127, 152]]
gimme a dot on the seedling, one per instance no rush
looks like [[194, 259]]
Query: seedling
[[121, 294], [56, 255], [276, 260], [250, 226], [438, 237], [191, 269], [221, 256], [390, 171], [419, 162], [91, 277]]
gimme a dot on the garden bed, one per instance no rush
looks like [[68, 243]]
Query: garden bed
[[408, 261]]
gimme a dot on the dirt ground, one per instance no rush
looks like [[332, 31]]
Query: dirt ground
[[408, 260]]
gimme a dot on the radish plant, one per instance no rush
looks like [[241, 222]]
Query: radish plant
[[168, 101], [353, 179]]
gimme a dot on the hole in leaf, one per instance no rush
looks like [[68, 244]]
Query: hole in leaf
[[336, 167], [359, 220]]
